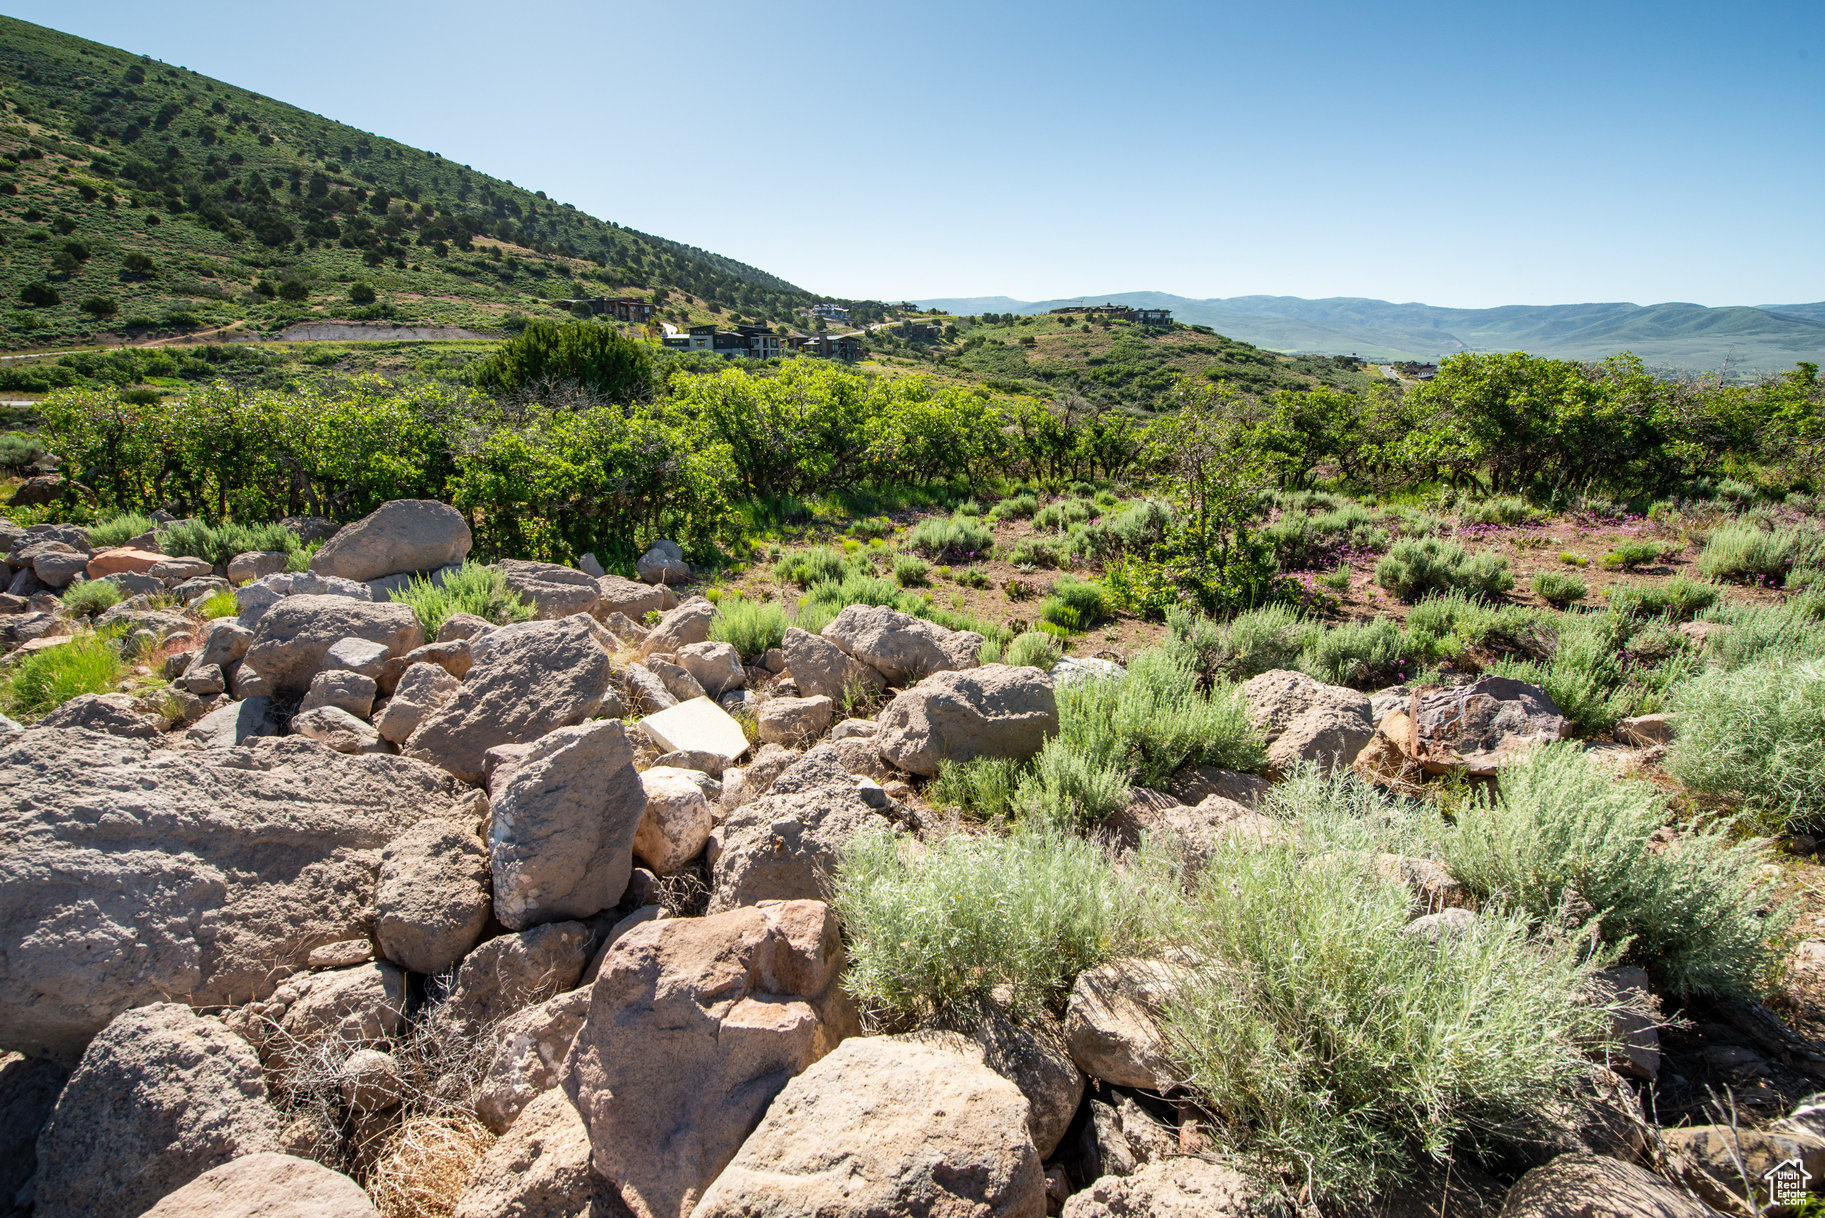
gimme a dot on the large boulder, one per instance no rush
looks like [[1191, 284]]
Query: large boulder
[[993, 711], [525, 1053], [1581, 1185], [255, 598], [28, 1090], [688, 623], [1170, 1188], [887, 1125], [403, 535], [677, 820], [663, 563], [161, 1096], [794, 720], [1032, 1056], [561, 834], [1477, 728], [1305, 720], [539, 1169], [529, 681], [133, 875], [786, 844], [432, 901], [821, 669], [1112, 1026], [630, 599], [267, 1185], [514, 972], [555, 591], [294, 635], [124, 560], [694, 1025], [115, 714], [900, 647], [716, 667]]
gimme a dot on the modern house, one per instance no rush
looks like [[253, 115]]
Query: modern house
[[746, 342], [621, 308], [830, 312], [846, 347], [1144, 317]]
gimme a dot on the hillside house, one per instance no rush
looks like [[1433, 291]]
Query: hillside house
[[743, 342], [847, 347], [1144, 317], [830, 312], [620, 308]]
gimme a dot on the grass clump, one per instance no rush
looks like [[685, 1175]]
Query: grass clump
[[1033, 649], [1362, 655], [1568, 841], [1756, 736], [1747, 554], [1559, 588], [1573, 560], [471, 588], [221, 603], [1415, 568], [957, 537], [1074, 604], [816, 565], [982, 787], [942, 930], [910, 572], [1031, 552], [752, 627], [91, 597], [118, 530], [217, 543], [44, 681], [1633, 552], [1680, 599], [1014, 507]]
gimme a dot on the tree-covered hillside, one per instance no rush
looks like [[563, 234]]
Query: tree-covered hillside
[[138, 198]]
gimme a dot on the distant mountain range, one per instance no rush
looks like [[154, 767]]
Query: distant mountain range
[[1686, 337]]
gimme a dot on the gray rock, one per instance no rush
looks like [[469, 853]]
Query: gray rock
[[1581, 1185], [28, 1090], [716, 666], [402, 535], [676, 822], [161, 1096], [346, 691], [1634, 1026], [358, 655], [631, 599], [554, 591], [432, 902], [794, 720], [1478, 728], [234, 723], [422, 690], [256, 564], [204, 680], [745, 784], [711, 765], [531, 681], [348, 1007], [335, 728], [174, 571], [1033, 1058], [539, 1169], [992, 711], [263, 593], [224, 642], [901, 648], [1450, 923], [1112, 1022], [134, 874], [1305, 720], [465, 626], [785, 845], [663, 564], [525, 1052], [646, 693], [854, 729], [1646, 731], [563, 826], [114, 714], [1391, 701], [591, 566], [679, 684], [267, 1185], [134, 583], [56, 568], [688, 623], [294, 635], [1182, 1187], [514, 972], [1072, 669]]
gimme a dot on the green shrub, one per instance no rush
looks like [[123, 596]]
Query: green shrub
[[957, 537], [872, 527], [217, 543], [1070, 790], [471, 588], [1032, 552], [1034, 649], [1152, 719], [1679, 598], [1756, 736], [1568, 829], [20, 450], [1013, 508], [1559, 589], [45, 680], [92, 596], [597, 359], [1319, 1032], [1251, 643], [1074, 604], [1770, 632], [1573, 560], [1633, 552], [858, 589], [1442, 628], [1502, 509], [220, 604], [939, 931], [1362, 655], [910, 572], [982, 787], [1745, 553], [1416, 568], [118, 530], [816, 565], [1061, 515], [750, 626]]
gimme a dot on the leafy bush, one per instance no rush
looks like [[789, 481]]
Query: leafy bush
[[1567, 830], [471, 588], [1014, 507], [1248, 645], [1746, 553], [957, 537], [1679, 598], [1442, 628], [1362, 655], [1320, 1033], [1756, 735], [1771, 632], [816, 565], [1558, 588], [943, 930], [47, 679], [751, 626], [20, 450], [910, 572], [1152, 719], [118, 530], [1632, 552], [1074, 604], [92, 596], [1061, 515], [548, 354], [217, 543], [1416, 568]]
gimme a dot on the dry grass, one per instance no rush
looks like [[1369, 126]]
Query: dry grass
[[426, 1164]]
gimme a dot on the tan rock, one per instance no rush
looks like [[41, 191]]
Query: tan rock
[[1112, 1022], [267, 1185], [539, 1169]]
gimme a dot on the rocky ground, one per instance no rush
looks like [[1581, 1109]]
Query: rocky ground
[[327, 917]]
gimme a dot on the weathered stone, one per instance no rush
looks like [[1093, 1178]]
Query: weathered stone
[[465, 626], [346, 691], [540, 1169], [1072, 669], [526, 1051], [234, 723], [563, 827], [855, 729], [114, 714], [349, 1007], [821, 669], [1452, 923], [716, 666], [516, 971], [122, 561], [886, 1125], [420, 693], [432, 902], [256, 598], [555, 591], [267, 1185], [745, 784], [224, 641], [688, 623], [1033, 1058], [902, 648], [786, 844], [1645, 731], [161, 1096], [993, 711], [676, 823], [694, 1026], [132, 584], [369, 1081], [362, 656], [710, 765], [795, 720], [454, 656], [28, 1090], [676, 679], [696, 726], [256, 564], [1433, 887], [1712, 1160], [134, 874], [204, 680], [857, 755], [663, 564], [528, 682], [646, 693], [335, 728], [1305, 720], [175, 571], [1477, 728], [1171, 1188], [631, 599], [294, 635], [341, 954], [402, 535], [1581, 1185], [1111, 1022], [56, 568], [1198, 831]]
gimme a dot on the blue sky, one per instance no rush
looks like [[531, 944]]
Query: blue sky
[[1464, 154]]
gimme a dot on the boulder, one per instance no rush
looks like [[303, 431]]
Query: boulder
[[1634, 1027], [454, 656], [1305, 720], [745, 784], [234, 723], [900, 647], [562, 831], [294, 635], [694, 1025], [465, 626], [134, 874], [349, 1007], [1072, 669], [795, 720], [369, 1081], [630, 599], [676, 823], [1033, 1058], [663, 564], [705, 769], [115, 714], [554, 591], [55, 568], [993, 711], [528, 682], [1111, 1022], [539, 1169], [400, 536], [335, 728], [514, 972], [851, 729], [821, 669], [1198, 831], [714, 666], [432, 902], [1645, 731], [887, 1125], [786, 844], [346, 691], [267, 1185], [262, 594], [1706, 1158], [361, 656], [688, 623], [122, 561], [857, 755], [1582, 1185], [133, 584], [28, 1090], [646, 693], [39, 490], [246, 567], [204, 680], [1476, 728], [160, 1096], [1181, 1187], [422, 690], [175, 571], [676, 679], [697, 726], [225, 641], [525, 1052]]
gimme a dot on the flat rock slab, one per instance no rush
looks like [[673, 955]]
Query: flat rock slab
[[696, 726]]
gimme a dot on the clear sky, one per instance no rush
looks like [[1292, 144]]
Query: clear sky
[[1467, 154]]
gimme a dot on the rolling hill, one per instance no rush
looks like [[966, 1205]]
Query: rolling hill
[[1687, 337], [139, 199]]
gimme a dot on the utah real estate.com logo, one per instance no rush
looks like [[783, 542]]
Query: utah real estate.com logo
[[1786, 1182]]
